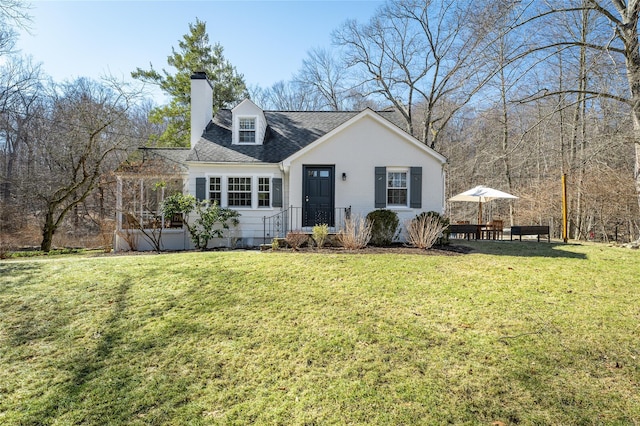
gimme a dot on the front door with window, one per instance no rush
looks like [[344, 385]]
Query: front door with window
[[318, 195]]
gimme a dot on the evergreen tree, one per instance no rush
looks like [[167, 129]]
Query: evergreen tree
[[195, 54]]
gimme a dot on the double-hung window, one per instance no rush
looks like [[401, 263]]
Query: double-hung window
[[264, 192], [397, 189], [239, 192], [215, 190], [247, 130]]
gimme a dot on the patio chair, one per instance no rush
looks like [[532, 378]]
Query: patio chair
[[494, 230]]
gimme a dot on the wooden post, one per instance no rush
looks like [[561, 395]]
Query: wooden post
[[565, 231]]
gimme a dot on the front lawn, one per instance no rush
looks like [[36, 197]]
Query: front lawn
[[518, 333]]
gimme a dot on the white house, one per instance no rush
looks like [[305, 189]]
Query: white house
[[285, 170]]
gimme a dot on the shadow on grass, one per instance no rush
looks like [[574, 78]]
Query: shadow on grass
[[87, 365], [521, 249], [25, 270], [105, 381]]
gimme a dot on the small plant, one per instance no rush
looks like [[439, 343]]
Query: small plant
[[384, 225], [424, 230], [320, 234], [356, 233], [275, 245], [295, 239]]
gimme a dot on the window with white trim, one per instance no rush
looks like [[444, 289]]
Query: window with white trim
[[215, 190], [264, 192], [247, 130], [397, 188], [239, 192]]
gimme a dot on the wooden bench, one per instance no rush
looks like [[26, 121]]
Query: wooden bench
[[530, 230], [464, 229]]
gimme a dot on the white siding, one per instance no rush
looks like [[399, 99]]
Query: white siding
[[250, 230], [356, 150]]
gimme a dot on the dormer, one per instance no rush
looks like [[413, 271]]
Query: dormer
[[249, 124]]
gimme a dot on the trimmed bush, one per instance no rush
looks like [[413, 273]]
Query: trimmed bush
[[384, 226], [427, 229]]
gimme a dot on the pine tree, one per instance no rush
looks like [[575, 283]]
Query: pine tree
[[195, 53]]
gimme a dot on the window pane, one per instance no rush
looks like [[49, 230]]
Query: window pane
[[247, 124], [397, 180], [239, 192], [397, 197], [247, 136], [263, 192], [247, 130], [215, 190], [397, 188]]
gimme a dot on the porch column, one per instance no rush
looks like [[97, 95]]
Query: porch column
[[118, 203]]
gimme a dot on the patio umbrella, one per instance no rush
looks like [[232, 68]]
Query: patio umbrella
[[480, 194]]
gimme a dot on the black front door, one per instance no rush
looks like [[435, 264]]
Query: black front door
[[318, 195]]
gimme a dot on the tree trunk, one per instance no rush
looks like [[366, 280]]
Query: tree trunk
[[48, 230], [629, 32], [578, 139]]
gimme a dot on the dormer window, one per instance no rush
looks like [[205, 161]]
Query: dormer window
[[249, 124], [247, 130]]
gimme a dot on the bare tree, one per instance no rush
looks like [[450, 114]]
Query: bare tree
[[614, 48], [20, 88], [323, 75], [425, 52], [84, 126], [13, 13], [287, 96]]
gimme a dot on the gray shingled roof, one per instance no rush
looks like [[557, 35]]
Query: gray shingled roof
[[287, 132]]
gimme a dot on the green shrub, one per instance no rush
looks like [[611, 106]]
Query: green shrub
[[384, 226], [211, 220]]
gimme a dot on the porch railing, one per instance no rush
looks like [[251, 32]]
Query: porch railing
[[291, 219]]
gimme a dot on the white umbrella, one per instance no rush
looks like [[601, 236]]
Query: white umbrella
[[480, 194]]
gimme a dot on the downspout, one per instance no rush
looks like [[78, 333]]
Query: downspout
[[444, 188], [284, 168]]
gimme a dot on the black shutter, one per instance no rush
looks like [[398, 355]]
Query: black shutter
[[381, 188], [201, 188], [277, 192], [415, 196]]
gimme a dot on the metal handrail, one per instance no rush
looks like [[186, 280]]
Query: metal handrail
[[279, 224]]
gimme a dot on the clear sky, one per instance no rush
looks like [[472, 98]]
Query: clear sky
[[265, 40]]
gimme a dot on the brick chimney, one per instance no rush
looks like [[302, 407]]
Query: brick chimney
[[201, 105]]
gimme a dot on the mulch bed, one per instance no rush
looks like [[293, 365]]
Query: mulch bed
[[448, 250]]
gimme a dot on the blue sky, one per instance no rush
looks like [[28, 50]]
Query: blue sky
[[265, 40]]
